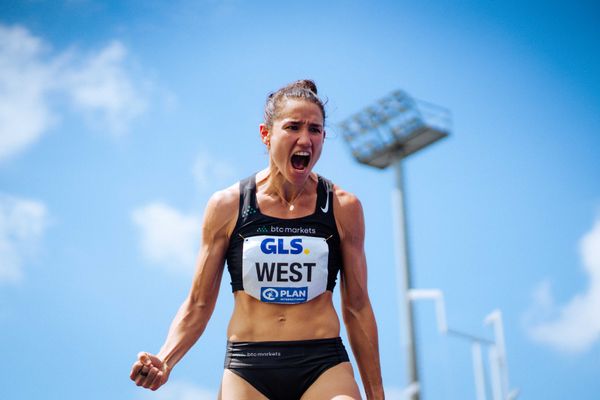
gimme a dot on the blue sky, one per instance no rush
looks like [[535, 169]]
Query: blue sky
[[119, 119]]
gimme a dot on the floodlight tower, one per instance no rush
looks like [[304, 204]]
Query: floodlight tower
[[382, 135]]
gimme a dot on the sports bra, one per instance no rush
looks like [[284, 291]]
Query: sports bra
[[284, 261]]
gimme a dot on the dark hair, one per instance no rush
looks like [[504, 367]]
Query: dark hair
[[304, 89]]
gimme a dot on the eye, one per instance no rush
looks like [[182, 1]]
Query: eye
[[293, 127], [315, 129]]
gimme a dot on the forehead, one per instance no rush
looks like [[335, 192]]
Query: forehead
[[300, 110]]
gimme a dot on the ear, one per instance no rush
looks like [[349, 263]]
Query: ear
[[324, 134], [264, 134]]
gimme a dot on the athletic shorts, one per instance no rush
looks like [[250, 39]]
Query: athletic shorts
[[284, 370]]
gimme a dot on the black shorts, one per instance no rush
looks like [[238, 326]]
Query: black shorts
[[284, 370]]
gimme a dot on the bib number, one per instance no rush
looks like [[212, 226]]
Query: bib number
[[285, 269]]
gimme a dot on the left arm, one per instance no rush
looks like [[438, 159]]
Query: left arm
[[356, 306]]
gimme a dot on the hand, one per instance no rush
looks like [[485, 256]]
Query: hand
[[149, 371]]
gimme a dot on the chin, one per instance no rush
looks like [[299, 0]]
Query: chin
[[300, 174]]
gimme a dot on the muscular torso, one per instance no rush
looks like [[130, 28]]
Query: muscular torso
[[253, 320]]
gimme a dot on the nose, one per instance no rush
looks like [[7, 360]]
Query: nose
[[304, 138]]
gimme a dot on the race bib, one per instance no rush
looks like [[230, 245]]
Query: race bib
[[285, 269]]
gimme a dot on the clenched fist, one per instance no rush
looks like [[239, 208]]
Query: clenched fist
[[149, 371]]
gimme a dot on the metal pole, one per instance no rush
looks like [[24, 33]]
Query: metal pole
[[478, 370], [404, 278], [495, 373], [495, 318], [440, 309]]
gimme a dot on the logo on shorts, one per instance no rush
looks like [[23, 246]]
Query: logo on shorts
[[289, 295]]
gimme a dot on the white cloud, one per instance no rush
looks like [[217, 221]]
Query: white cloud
[[575, 326], [24, 83], [168, 238], [101, 85], [179, 390], [31, 75], [212, 173], [22, 223]]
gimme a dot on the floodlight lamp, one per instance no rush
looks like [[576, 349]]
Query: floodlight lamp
[[393, 128]]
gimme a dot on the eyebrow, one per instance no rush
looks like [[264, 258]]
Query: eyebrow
[[296, 121]]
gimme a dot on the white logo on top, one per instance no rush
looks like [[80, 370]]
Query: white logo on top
[[326, 208]]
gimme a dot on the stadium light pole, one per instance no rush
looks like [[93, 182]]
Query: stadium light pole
[[476, 344], [498, 358], [382, 135]]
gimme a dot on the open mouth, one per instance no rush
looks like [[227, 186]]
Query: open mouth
[[300, 160]]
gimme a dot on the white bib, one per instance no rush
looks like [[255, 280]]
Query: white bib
[[285, 269]]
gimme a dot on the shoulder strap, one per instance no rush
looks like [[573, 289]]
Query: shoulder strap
[[248, 196], [325, 196]]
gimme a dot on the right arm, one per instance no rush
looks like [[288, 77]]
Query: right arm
[[193, 315]]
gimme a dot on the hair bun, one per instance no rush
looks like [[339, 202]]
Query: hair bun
[[305, 84], [304, 89]]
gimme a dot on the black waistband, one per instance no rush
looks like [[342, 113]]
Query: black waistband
[[281, 354]]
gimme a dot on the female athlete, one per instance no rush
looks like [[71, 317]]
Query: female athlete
[[284, 233]]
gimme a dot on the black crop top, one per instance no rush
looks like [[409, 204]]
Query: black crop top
[[284, 261]]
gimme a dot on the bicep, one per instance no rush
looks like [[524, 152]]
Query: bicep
[[211, 256], [354, 275], [209, 270], [354, 272]]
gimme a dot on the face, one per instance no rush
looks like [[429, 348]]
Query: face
[[295, 140]]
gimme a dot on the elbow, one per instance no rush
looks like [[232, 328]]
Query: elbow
[[354, 304], [198, 310], [199, 305], [202, 300]]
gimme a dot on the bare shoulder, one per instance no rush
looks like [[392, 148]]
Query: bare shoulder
[[228, 197], [221, 210], [348, 213], [345, 200]]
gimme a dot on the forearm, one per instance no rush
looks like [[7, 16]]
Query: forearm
[[362, 333], [187, 327]]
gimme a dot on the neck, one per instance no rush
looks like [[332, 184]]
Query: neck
[[276, 184]]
